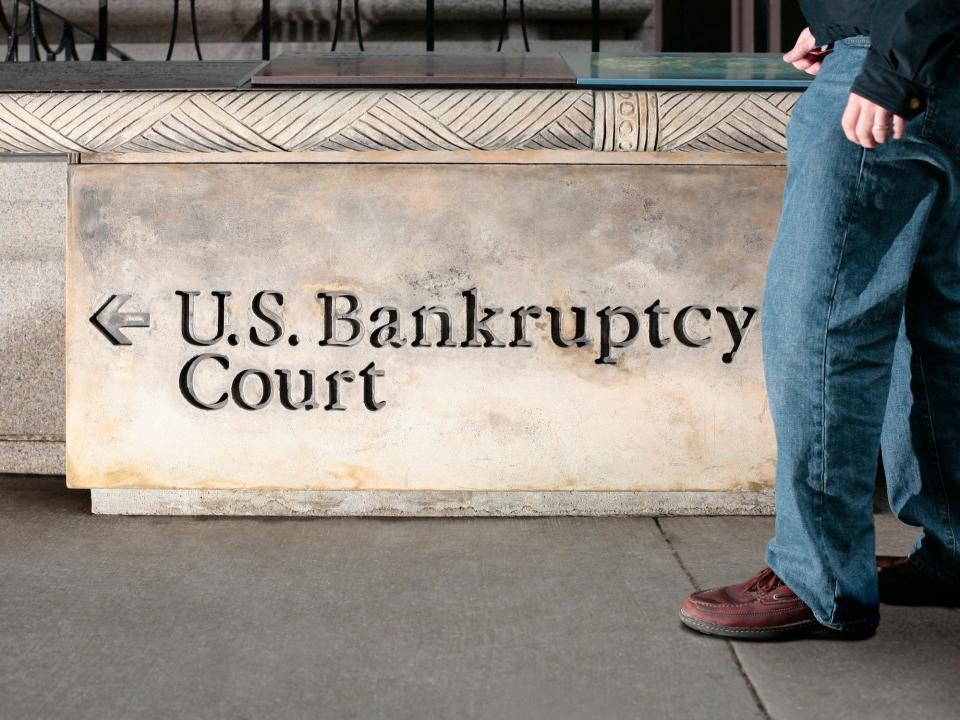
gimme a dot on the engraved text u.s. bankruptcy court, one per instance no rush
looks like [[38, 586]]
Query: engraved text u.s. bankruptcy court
[[343, 325]]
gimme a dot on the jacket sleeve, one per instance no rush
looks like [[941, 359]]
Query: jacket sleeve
[[913, 42]]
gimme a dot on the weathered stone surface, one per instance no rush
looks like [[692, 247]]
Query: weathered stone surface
[[148, 124], [33, 195], [32, 455], [394, 119], [410, 503], [456, 418]]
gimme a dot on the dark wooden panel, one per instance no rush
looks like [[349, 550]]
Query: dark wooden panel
[[106, 76], [367, 69]]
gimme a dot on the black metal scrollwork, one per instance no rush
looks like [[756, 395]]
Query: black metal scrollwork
[[193, 28], [32, 28], [523, 27]]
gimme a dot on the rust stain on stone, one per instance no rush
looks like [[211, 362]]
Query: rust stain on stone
[[361, 477]]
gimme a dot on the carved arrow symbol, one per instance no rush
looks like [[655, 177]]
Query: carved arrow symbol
[[108, 319]]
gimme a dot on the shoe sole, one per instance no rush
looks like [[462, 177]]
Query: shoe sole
[[777, 632]]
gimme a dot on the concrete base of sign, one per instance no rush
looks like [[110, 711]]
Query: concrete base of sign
[[373, 503]]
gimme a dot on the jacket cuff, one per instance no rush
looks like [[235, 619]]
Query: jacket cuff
[[878, 83], [829, 34]]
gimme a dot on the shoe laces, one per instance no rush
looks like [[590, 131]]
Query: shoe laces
[[765, 582]]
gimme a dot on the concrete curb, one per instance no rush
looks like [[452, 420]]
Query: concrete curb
[[377, 503]]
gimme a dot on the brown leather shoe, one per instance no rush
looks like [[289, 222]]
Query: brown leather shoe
[[903, 583], [762, 608]]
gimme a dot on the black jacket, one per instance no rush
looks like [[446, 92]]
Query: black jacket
[[913, 44]]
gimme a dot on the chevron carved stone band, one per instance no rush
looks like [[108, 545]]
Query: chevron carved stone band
[[371, 120]]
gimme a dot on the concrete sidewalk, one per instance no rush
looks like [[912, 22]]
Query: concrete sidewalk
[[120, 617]]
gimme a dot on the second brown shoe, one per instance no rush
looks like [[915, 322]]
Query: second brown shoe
[[903, 583], [762, 608]]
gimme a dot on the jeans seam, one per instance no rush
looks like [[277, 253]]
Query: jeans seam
[[945, 505], [857, 199]]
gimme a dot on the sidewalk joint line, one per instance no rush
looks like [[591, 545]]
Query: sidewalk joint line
[[730, 646]]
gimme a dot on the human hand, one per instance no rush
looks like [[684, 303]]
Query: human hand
[[806, 55], [867, 124]]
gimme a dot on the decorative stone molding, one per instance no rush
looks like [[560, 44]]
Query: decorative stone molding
[[430, 119], [625, 120], [724, 121]]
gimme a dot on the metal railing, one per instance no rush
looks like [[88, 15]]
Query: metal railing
[[26, 21], [33, 30]]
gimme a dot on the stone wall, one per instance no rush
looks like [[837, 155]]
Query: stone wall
[[33, 198], [666, 172], [688, 127]]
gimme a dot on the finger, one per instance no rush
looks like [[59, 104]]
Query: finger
[[849, 120], [899, 125], [805, 43], [864, 130], [796, 53], [816, 58], [882, 122], [809, 63]]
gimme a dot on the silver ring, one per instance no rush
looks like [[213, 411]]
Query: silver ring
[[881, 127]]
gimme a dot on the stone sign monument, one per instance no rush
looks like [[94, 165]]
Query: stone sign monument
[[514, 286], [506, 327]]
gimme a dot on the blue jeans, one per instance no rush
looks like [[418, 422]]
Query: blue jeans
[[861, 344]]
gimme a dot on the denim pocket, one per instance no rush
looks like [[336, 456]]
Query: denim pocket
[[941, 120]]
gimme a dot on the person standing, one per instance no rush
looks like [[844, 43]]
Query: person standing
[[861, 327]]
